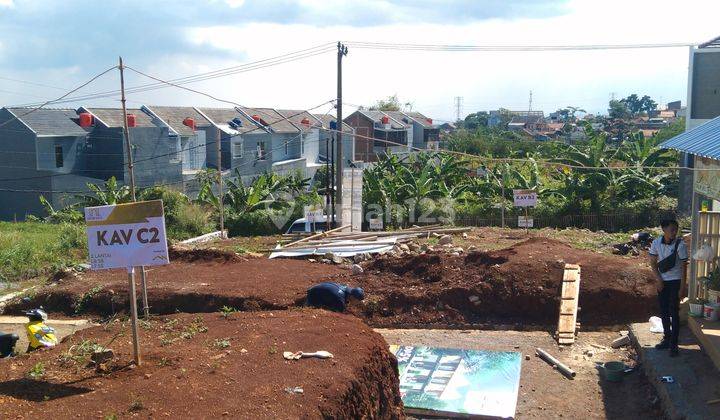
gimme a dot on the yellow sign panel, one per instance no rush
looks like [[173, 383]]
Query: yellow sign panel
[[707, 182]]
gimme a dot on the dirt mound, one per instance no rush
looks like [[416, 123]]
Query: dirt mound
[[208, 366], [517, 284], [200, 286], [189, 255]]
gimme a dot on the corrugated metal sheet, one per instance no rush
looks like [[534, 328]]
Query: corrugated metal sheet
[[703, 140]]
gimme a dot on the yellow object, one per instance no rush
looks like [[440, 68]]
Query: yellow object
[[40, 335]]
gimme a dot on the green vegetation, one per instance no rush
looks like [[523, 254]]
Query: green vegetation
[[594, 177], [37, 371], [32, 249]]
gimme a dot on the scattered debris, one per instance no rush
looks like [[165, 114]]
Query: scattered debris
[[555, 363], [621, 341], [321, 354], [102, 356], [294, 390], [445, 240], [356, 269]]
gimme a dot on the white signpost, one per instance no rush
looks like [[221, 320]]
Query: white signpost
[[312, 216], [127, 236], [525, 198], [376, 223], [525, 221]]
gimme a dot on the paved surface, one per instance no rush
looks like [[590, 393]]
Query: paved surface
[[545, 393], [696, 379], [16, 324]]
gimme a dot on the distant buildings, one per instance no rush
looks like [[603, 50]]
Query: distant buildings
[[57, 152]]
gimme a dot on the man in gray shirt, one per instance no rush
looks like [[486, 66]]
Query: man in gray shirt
[[668, 259]]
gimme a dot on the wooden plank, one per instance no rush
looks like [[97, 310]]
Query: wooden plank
[[567, 320]]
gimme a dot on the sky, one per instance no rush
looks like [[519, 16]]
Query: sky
[[54, 46]]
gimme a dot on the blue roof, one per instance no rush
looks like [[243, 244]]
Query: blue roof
[[703, 140]]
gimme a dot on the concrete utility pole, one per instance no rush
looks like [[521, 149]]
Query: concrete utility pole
[[126, 132], [218, 147], [342, 51]]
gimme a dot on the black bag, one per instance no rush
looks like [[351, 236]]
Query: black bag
[[667, 263]]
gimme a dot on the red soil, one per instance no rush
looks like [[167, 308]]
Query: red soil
[[190, 372], [518, 284]]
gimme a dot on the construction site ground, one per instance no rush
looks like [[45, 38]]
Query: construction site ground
[[210, 366], [503, 280], [545, 392]]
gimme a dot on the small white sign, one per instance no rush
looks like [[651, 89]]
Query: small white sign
[[525, 222], [525, 198], [126, 235], [313, 214], [376, 223]]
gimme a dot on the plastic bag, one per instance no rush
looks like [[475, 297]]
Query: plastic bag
[[656, 325], [705, 253]]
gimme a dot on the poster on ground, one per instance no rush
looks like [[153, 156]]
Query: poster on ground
[[126, 235], [446, 381]]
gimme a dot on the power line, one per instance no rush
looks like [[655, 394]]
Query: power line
[[510, 48], [260, 64]]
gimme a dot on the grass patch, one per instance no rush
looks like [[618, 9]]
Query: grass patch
[[37, 371], [31, 249]]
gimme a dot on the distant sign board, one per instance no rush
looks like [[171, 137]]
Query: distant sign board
[[525, 198], [376, 224], [525, 222], [126, 235], [313, 214]]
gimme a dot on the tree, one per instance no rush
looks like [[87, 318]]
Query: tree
[[392, 103], [637, 105], [619, 110], [476, 120]]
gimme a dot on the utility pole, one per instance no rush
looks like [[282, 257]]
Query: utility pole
[[218, 147], [128, 146], [530, 105], [131, 270], [341, 52], [458, 107]]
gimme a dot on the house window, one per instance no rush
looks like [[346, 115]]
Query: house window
[[287, 147], [59, 162], [261, 150], [175, 150], [237, 149]]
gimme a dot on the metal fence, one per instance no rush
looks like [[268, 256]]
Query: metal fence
[[607, 222]]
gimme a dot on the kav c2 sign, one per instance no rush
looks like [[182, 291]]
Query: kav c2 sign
[[126, 235]]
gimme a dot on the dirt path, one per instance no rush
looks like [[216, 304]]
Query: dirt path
[[545, 393], [209, 366]]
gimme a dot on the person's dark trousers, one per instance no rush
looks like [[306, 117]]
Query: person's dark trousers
[[669, 298]]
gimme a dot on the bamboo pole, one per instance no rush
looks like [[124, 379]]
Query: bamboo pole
[[319, 235]]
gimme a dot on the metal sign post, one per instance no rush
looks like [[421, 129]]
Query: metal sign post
[[134, 317], [525, 199]]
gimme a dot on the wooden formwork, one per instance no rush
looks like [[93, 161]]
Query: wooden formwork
[[567, 322]]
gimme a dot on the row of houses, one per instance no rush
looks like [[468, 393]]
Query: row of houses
[[57, 152]]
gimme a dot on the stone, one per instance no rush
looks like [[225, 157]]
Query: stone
[[473, 298], [404, 247], [445, 239], [356, 269], [358, 258], [472, 248], [102, 356], [329, 256], [464, 235], [455, 254], [338, 260]]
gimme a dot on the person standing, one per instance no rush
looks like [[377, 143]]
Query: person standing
[[668, 260]]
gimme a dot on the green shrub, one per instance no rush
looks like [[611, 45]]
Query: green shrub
[[183, 219], [72, 237], [256, 223]]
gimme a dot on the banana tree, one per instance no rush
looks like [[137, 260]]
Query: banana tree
[[110, 193]]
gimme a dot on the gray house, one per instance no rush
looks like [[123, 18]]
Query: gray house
[[156, 155], [184, 127], [329, 123], [41, 153], [425, 135]]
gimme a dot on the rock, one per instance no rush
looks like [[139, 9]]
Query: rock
[[312, 260], [464, 235], [455, 254], [473, 298], [459, 250], [404, 247], [472, 248], [329, 256], [356, 269], [338, 260], [102, 356], [243, 351], [413, 246], [445, 239], [325, 261], [527, 357], [358, 258]]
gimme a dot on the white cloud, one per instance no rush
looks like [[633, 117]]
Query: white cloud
[[6, 3], [234, 4]]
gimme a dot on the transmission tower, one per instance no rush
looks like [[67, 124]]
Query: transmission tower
[[458, 107]]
